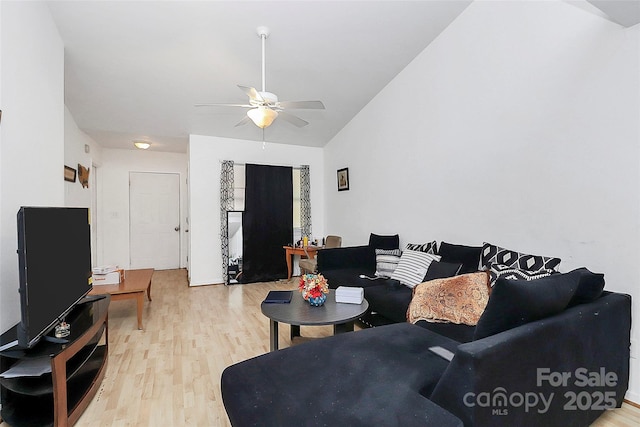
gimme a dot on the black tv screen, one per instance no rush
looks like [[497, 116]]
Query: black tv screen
[[54, 257]]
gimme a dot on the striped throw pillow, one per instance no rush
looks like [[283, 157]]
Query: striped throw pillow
[[386, 261], [412, 267]]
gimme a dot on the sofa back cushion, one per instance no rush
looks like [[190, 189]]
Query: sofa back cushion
[[468, 256], [516, 302], [590, 287], [441, 270], [384, 242], [361, 258]]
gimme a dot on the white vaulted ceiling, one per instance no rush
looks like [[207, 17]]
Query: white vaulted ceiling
[[135, 69]]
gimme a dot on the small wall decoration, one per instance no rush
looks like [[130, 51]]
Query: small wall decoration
[[83, 176], [69, 174], [343, 179]]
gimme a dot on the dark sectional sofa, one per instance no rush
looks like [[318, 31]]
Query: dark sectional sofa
[[555, 353]]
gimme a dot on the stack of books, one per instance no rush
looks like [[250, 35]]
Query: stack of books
[[349, 295]]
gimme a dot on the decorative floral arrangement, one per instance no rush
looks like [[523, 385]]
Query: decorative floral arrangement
[[313, 286]]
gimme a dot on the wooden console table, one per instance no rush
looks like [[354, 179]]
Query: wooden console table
[[290, 251], [135, 283]]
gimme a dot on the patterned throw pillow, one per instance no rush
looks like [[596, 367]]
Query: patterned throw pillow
[[387, 261], [460, 299], [429, 247], [497, 271], [412, 267], [492, 254]]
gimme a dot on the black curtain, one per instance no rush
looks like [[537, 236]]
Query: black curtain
[[267, 222]]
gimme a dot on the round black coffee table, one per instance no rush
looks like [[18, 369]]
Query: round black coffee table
[[300, 312]]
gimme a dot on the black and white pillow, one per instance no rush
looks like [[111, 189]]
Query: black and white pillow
[[429, 247], [387, 261], [497, 271], [412, 267], [492, 254]]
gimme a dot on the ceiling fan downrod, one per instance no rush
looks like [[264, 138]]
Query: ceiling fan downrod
[[263, 33]]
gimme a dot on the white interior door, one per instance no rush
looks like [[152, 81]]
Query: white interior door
[[154, 220]]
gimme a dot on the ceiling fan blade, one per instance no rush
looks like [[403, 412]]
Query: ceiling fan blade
[[224, 105], [295, 120], [243, 121], [306, 105], [251, 92]]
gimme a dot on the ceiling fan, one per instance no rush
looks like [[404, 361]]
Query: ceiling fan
[[264, 106]]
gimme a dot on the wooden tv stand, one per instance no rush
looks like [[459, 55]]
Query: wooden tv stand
[[60, 397]]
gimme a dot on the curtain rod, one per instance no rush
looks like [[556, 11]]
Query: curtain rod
[[262, 164]]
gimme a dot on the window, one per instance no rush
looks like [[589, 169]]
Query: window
[[238, 187]]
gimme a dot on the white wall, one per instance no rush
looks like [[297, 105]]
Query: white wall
[[74, 153], [32, 129], [518, 125], [205, 156], [113, 199]]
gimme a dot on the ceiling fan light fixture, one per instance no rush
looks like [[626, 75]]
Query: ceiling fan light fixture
[[142, 145], [262, 116]]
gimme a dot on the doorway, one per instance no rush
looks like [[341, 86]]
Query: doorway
[[154, 220]]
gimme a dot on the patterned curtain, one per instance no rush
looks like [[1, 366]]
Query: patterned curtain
[[226, 204], [305, 201]]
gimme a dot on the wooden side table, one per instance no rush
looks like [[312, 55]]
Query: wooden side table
[[290, 251]]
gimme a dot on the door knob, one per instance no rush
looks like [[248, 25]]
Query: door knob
[[177, 228]]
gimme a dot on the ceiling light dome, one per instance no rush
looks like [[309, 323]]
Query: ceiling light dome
[[262, 116], [142, 145]]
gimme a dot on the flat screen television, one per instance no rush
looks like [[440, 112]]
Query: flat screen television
[[54, 260]]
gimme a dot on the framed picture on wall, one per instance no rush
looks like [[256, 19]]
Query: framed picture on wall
[[343, 179], [69, 174]]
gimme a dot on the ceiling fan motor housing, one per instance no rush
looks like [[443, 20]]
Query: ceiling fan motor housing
[[268, 97]]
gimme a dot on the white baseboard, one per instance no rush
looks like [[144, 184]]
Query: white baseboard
[[212, 282]]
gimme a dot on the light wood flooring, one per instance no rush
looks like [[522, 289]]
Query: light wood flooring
[[169, 373]]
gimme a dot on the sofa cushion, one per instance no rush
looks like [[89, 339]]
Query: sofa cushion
[[387, 261], [441, 269], [492, 254], [498, 270], [390, 299], [590, 287], [384, 242], [455, 331], [468, 256], [377, 376], [459, 299], [516, 302], [429, 247], [351, 277], [413, 267]]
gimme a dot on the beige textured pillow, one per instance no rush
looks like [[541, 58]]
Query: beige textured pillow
[[459, 299]]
